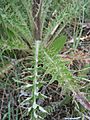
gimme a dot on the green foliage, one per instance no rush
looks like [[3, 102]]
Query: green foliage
[[87, 9], [17, 25], [57, 68], [16, 21], [56, 46], [13, 22], [33, 107]]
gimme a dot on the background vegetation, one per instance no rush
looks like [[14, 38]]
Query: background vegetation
[[44, 59]]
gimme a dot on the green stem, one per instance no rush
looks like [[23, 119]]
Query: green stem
[[35, 88]]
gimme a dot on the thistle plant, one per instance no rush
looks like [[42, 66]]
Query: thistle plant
[[40, 22], [34, 108]]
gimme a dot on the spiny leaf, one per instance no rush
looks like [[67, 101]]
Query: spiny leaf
[[56, 45]]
